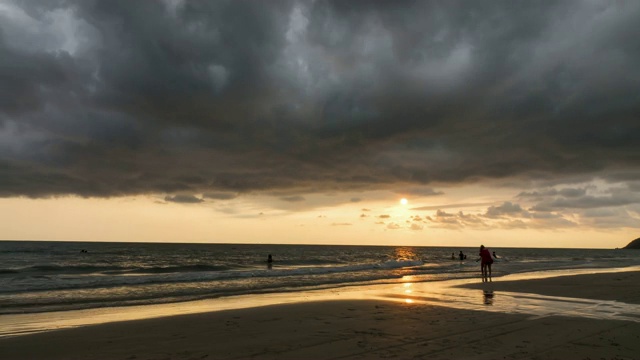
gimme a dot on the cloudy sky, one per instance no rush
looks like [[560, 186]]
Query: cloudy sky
[[511, 123]]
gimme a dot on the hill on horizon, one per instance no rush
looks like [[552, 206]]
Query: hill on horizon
[[635, 244]]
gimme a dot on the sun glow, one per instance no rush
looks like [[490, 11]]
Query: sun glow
[[404, 201]]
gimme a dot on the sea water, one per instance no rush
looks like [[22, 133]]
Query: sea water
[[38, 276]]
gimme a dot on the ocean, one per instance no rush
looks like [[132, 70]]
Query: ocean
[[41, 276]]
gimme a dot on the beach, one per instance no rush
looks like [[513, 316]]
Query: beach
[[588, 316]]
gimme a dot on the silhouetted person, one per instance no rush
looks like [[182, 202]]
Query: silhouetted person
[[269, 261], [453, 256], [485, 264], [494, 255], [461, 256]]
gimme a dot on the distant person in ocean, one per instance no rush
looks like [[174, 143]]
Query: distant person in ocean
[[485, 263], [269, 261], [494, 255], [453, 256], [461, 256]]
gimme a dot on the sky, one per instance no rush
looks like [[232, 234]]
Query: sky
[[506, 123]]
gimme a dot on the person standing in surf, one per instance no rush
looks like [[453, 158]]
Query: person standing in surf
[[485, 263]]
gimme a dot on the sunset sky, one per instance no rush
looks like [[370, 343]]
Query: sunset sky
[[507, 123]]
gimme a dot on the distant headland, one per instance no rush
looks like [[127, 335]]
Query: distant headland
[[635, 244]]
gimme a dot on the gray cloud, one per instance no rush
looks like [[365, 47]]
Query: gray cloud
[[507, 208], [444, 219], [505, 216], [419, 191], [566, 192], [449, 206], [611, 198], [110, 98], [221, 196], [186, 199], [415, 226], [393, 226], [293, 198]]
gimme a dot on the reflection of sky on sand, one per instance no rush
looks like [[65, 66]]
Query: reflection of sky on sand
[[446, 293], [408, 290]]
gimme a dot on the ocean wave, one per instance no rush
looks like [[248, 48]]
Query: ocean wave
[[393, 264], [56, 278], [178, 269], [197, 273], [60, 269]]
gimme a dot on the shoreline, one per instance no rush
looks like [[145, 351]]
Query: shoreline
[[549, 317], [409, 290]]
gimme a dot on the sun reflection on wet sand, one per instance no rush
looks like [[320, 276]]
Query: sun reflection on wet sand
[[446, 293]]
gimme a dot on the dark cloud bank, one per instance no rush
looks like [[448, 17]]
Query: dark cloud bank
[[110, 98]]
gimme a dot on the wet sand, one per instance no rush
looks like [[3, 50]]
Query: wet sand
[[526, 319], [612, 286]]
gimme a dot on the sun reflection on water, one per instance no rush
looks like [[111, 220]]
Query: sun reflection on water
[[405, 254]]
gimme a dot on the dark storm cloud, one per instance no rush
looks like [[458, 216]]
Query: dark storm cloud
[[108, 98]]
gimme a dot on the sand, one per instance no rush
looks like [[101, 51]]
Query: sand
[[528, 319]]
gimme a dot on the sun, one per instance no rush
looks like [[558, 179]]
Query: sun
[[404, 201]]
